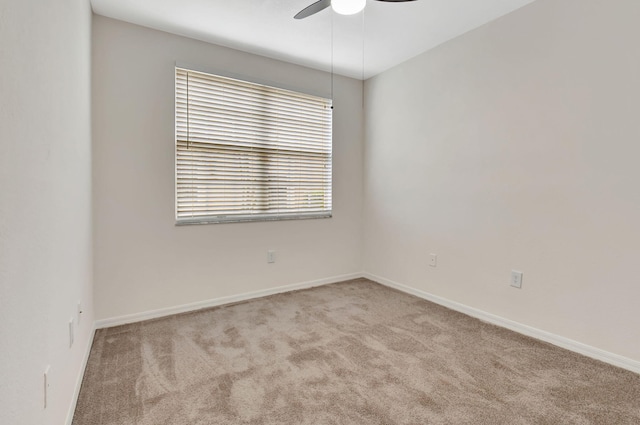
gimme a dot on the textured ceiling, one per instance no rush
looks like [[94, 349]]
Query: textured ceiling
[[358, 46]]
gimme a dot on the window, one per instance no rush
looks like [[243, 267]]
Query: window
[[249, 152]]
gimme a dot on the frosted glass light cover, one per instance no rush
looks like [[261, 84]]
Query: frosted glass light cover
[[348, 7]]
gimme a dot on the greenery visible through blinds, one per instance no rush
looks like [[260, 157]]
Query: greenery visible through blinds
[[246, 151]]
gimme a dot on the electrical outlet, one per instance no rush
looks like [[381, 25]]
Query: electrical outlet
[[46, 386], [433, 260], [516, 279], [271, 256], [71, 333]]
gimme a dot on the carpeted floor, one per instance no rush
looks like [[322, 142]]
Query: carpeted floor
[[348, 353]]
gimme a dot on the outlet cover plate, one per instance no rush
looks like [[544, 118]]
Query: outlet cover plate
[[516, 279], [46, 385]]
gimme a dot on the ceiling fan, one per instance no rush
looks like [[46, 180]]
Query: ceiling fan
[[344, 7]]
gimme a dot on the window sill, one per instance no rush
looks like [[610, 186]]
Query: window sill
[[250, 219]]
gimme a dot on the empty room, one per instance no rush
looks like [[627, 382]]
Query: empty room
[[319, 212]]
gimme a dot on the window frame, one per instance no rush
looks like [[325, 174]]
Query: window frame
[[258, 216]]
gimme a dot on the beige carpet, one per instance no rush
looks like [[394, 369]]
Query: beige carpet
[[349, 353]]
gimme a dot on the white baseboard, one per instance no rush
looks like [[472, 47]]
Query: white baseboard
[[76, 392], [154, 314], [566, 343]]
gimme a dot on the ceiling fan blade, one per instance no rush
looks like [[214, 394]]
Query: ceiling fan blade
[[313, 9]]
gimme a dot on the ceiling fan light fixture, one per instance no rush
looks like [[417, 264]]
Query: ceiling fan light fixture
[[348, 7]]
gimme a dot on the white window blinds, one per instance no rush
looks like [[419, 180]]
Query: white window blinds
[[249, 152]]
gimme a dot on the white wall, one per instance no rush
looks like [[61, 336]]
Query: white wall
[[45, 204], [142, 260], [516, 146]]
